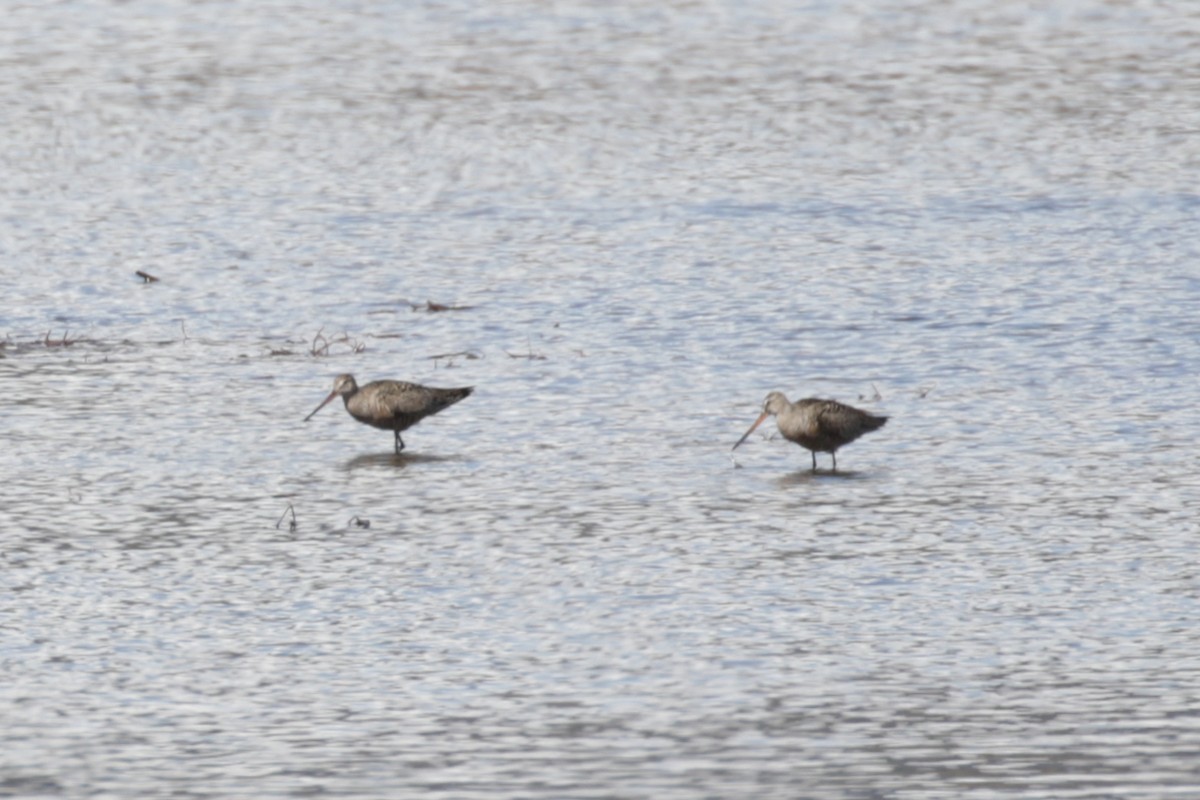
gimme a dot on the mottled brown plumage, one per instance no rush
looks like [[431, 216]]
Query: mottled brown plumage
[[816, 425], [391, 405]]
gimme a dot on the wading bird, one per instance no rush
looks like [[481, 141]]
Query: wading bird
[[391, 405], [816, 425]]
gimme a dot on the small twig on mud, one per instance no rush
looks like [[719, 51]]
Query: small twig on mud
[[146, 277], [431, 307], [63, 342], [321, 344], [323, 348], [876, 396], [532, 356], [286, 511], [923, 391], [470, 355]]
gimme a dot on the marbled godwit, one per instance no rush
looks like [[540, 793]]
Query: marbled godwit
[[391, 405], [816, 425]]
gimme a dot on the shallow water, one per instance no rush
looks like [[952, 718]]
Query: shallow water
[[971, 217]]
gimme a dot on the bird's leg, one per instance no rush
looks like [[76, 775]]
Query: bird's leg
[[814, 455], [399, 442], [834, 457]]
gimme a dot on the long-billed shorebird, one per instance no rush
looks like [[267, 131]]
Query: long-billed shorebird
[[816, 425], [391, 405]]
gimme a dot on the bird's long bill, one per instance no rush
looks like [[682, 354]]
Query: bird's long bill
[[746, 435], [324, 403]]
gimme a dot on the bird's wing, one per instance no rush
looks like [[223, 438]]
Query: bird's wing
[[402, 398], [840, 420]]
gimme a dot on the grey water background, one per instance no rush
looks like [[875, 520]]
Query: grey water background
[[977, 217]]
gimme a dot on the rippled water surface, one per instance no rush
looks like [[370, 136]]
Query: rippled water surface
[[977, 218]]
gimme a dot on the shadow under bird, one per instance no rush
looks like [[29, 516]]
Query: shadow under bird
[[821, 426], [391, 405]]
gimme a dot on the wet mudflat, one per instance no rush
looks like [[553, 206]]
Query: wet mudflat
[[624, 228]]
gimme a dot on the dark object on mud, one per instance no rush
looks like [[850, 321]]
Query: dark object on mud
[[816, 425], [359, 522], [391, 405], [146, 277]]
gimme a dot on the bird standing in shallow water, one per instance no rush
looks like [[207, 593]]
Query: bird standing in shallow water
[[391, 405], [816, 425]]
